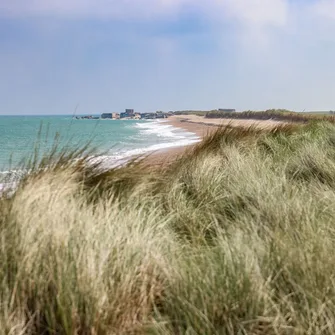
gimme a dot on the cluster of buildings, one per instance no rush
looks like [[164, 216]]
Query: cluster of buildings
[[128, 114]]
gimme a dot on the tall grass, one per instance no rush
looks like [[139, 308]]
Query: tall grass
[[235, 237]]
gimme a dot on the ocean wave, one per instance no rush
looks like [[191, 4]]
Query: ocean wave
[[122, 157], [161, 129], [174, 137]]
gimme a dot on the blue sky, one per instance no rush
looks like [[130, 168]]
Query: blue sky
[[107, 55]]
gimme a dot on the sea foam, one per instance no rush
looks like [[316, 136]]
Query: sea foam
[[167, 137], [170, 136]]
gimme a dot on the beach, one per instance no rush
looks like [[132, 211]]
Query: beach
[[200, 126]]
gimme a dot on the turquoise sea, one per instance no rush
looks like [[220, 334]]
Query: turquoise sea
[[113, 140]]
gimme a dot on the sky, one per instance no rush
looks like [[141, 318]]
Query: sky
[[95, 56]]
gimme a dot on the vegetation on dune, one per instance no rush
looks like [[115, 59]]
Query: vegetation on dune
[[235, 237], [191, 112], [272, 114]]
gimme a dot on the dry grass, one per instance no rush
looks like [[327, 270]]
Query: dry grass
[[236, 237]]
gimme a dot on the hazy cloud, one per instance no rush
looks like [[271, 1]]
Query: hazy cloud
[[246, 54], [325, 8], [260, 12]]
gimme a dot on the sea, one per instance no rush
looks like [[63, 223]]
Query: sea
[[112, 141]]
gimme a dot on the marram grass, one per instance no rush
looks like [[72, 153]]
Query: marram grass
[[235, 237]]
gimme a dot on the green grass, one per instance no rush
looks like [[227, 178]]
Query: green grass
[[319, 112], [235, 237], [191, 112], [274, 114]]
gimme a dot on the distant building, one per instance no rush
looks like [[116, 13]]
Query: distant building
[[227, 110], [107, 116], [130, 112], [160, 115], [116, 115], [148, 116]]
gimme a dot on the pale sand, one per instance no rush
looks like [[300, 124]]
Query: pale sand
[[180, 120], [201, 127]]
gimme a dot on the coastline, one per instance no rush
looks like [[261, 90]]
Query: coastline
[[200, 123], [194, 124], [201, 127]]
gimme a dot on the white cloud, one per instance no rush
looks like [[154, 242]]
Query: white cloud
[[274, 52]]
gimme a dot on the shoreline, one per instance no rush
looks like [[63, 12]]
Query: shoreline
[[168, 155], [195, 125], [201, 127]]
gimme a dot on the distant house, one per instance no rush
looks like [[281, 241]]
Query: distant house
[[130, 112], [127, 113], [107, 116], [148, 116], [160, 115], [227, 110]]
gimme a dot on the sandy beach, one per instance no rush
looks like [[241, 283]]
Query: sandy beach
[[201, 127]]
